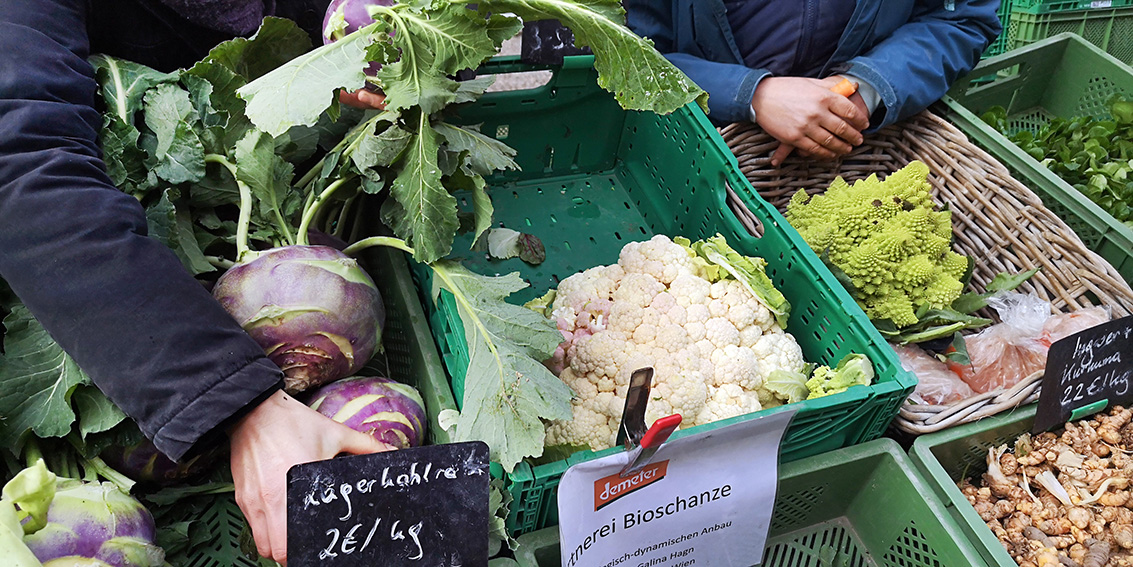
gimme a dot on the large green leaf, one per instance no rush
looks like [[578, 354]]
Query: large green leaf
[[38, 379], [628, 65], [125, 161], [381, 149], [269, 178], [96, 412], [485, 154], [179, 154], [123, 84], [276, 42], [507, 390], [430, 209], [299, 91]]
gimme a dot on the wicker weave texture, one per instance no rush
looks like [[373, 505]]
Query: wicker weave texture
[[996, 220]]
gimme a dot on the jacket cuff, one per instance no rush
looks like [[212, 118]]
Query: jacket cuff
[[884, 90], [200, 424]]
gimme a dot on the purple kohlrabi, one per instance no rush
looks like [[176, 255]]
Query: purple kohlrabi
[[142, 462], [389, 411], [344, 17], [313, 309], [92, 520]]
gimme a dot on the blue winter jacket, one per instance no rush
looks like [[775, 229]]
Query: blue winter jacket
[[910, 51]]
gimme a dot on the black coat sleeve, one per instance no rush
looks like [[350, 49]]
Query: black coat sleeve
[[75, 251]]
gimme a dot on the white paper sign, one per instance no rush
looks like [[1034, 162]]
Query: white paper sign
[[704, 500]]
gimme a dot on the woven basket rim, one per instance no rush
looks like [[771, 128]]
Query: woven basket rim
[[1003, 202]]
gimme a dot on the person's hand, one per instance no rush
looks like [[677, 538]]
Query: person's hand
[[266, 442], [805, 114], [363, 99]]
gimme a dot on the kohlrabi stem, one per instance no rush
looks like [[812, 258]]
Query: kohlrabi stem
[[96, 467], [342, 216], [32, 452], [347, 144], [365, 243], [245, 218], [218, 262], [309, 212]]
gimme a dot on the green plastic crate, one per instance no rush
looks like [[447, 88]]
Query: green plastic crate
[[1062, 76], [1111, 29], [867, 502], [1046, 6], [943, 458], [595, 177], [1000, 43], [411, 355]]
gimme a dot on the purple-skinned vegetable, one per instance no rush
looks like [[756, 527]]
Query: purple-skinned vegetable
[[142, 462], [390, 411], [344, 17], [313, 309], [96, 520]]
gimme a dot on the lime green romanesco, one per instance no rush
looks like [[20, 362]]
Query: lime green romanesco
[[887, 237]]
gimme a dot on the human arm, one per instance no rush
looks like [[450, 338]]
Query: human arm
[[914, 65], [810, 115]]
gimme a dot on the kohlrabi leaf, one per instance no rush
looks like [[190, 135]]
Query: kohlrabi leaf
[[179, 154], [276, 42], [414, 80], [269, 178], [1008, 282], [507, 390], [125, 161], [628, 66], [471, 89], [122, 84], [38, 379], [96, 412], [485, 155], [431, 210], [32, 491], [12, 547], [299, 91], [381, 149]]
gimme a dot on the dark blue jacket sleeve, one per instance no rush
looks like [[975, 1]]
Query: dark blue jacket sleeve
[[914, 66], [730, 85], [75, 251]]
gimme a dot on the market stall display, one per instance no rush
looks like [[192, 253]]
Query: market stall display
[[996, 221]]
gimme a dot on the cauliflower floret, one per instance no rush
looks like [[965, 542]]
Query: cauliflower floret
[[598, 354], [736, 365], [749, 335], [689, 289], [579, 289], [721, 332], [725, 402], [778, 351], [585, 426], [658, 257], [637, 289]]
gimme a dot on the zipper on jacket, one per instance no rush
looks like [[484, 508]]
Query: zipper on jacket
[[810, 22]]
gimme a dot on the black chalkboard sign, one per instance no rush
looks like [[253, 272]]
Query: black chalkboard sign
[[547, 42], [1085, 372], [425, 506]]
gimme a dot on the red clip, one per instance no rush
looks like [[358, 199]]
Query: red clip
[[660, 431]]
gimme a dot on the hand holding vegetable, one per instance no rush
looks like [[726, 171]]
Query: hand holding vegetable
[[806, 114], [279, 433]]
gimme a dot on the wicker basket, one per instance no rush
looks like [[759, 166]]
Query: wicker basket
[[997, 221]]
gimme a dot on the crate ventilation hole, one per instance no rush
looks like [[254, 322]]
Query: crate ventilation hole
[[793, 510], [807, 550], [911, 550]]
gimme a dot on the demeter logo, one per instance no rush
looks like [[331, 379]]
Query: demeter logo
[[612, 487]]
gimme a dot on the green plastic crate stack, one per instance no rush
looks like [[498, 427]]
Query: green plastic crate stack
[[595, 177], [1062, 76], [945, 457], [1107, 24], [864, 505]]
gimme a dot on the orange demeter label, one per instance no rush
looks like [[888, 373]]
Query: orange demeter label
[[610, 488]]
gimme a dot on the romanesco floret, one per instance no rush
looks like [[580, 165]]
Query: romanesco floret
[[887, 238]]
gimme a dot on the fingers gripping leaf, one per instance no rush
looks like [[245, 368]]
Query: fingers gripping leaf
[[638, 75], [507, 392]]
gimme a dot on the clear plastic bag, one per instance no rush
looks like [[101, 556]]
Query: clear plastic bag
[[936, 384], [1063, 325], [1005, 353]]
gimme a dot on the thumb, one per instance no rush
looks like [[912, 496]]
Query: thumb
[[357, 443]]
